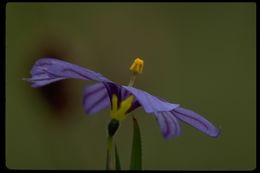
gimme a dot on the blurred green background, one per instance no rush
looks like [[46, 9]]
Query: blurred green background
[[200, 55]]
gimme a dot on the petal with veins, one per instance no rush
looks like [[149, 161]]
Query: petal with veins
[[48, 70], [95, 98], [196, 121]]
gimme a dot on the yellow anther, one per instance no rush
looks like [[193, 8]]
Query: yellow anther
[[137, 66], [120, 114]]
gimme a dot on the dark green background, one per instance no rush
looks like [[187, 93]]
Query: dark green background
[[200, 55]]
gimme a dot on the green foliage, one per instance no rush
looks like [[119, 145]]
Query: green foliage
[[136, 155]]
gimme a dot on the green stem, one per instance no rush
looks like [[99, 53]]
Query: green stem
[[109, 164], [118, 164], [132, 80]]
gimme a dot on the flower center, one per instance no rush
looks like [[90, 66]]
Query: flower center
[[120, 113]]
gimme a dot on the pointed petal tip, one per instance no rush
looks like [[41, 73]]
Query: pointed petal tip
[[215, 134], [171, 135], [197, 121], [212, 131], [87, 113]]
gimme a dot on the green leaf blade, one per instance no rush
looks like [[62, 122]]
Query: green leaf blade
[[136, 155]]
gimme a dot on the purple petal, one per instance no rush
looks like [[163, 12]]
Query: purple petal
[[196, 121], [48, 70], [169, 125], [150, 103], [95, 98]]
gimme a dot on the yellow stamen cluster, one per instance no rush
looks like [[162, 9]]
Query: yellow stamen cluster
[[120, 114], [137, 66]]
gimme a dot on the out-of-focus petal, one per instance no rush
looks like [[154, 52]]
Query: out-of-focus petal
[[150, 103], [169, 125], [48, 70], [196, 120], [95, 98]]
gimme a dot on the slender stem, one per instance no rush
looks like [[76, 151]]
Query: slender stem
[[109, 164], [132, 80], [118, 164]]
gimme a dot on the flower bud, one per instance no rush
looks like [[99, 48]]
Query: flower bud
[[112, 127]]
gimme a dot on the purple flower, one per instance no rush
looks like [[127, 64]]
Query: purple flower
[[105, 93]]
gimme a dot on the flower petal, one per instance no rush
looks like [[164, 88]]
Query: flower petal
[[95, 98], [48, 70], [196, 121], [150, 103], [169, 125]]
